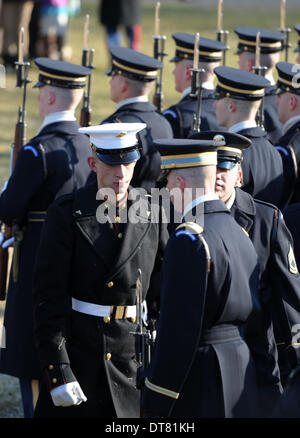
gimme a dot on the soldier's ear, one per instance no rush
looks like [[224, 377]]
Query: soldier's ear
[[51, 97], [251, 64], [188, 72], [294, 102], [92, 163], [232, 106]]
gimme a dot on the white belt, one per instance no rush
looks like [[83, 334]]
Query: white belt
[[116, 312]]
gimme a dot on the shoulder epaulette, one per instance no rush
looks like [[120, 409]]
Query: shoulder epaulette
[[267, 204], [190, 229], [171, 112]]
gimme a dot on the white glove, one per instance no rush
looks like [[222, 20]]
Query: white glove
[[68, 394]]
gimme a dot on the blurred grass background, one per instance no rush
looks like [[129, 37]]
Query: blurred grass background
[[175, 16]]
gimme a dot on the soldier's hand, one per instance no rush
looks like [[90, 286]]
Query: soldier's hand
[[68, 394]]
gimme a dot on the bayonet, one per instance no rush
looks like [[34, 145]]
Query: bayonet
[[87, 61], [159, 53], [222, 34], [284, 29]]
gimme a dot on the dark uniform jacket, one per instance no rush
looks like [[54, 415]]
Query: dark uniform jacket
[[51, 164], [181, 115], [289, 147], [147, 168], [280, 280], [288, 405], [291, 216], [272, 124], [262, 168], [201, 366], [92, 262]]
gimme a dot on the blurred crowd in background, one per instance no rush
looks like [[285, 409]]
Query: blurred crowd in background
[[46, 23]]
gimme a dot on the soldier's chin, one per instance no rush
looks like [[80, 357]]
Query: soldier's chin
[[219, 191], [120, 188]]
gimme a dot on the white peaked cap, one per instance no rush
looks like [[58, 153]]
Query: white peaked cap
[[113, 135]]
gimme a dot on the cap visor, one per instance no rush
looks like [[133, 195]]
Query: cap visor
[[108, 72], [39, 84], [279, 90], [126, 158], [176, 59], [226, 165]]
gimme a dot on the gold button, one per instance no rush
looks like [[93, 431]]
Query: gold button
[[108, 356], [133, 319], [51, 367], [110, 284], [120, 235], [118, 219], [106, 319], [54, 380]]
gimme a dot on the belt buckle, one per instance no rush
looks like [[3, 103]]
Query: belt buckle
[[119, 312]]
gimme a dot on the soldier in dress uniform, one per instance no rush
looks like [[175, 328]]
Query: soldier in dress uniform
[[93, 245], [181, 114], [271, 46], [238, 96], [51, 164], [297, 49], [210, 285], [132, 77], [288, 102], [279, 276]]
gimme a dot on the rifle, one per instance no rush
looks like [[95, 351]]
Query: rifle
[[12, 234], [222, 34], [259, 70], [196, 88], [285, 30], [144, 339], [159, 53], [87, 61]]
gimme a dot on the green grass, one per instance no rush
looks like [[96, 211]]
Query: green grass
[[174, 17]]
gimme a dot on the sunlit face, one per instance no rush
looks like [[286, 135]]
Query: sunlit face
[[282, 102], [244, 61], [116, 84], [226, 181], [176, 190], [179, 73], [220, 106], [116, 177], [43, 97]]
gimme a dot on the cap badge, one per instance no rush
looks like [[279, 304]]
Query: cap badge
[[219, 137], [121, 134]]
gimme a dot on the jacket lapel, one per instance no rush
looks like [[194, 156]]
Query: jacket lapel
[[100, 235], [138, 225], [243, 209], [84, 211]]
